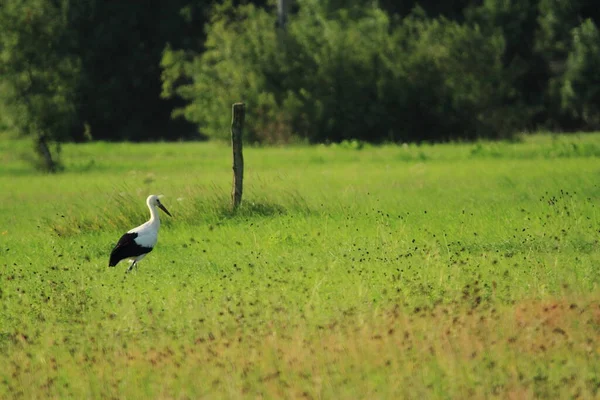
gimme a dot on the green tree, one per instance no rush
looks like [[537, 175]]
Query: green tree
[[554, 43], [70, 64], [240, 62], [342, 73], [525, 70], [454, 82], [40, 73], [581, 86]]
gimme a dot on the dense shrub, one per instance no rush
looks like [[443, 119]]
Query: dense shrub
[[346, 74], [580, 91], [453, 82], [240, 62]]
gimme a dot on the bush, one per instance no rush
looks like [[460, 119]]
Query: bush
[[580, 91], [453, 82], [341, 74], [241, 62]]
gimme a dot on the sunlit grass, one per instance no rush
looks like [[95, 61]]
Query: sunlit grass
[[446, 271]]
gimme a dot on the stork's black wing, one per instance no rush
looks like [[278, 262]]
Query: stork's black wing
[[126, 248]]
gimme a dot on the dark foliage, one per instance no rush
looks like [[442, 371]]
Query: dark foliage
[[343, 69]]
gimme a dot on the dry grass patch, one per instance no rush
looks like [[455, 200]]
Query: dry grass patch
[[531, 349]]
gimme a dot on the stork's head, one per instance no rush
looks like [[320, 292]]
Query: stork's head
[[154, 201]]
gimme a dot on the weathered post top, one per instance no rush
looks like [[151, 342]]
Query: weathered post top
[[238, 111]]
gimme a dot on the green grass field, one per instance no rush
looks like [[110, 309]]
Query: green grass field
[[447, 271]]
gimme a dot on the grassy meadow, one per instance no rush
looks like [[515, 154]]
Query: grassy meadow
[[433, 271]]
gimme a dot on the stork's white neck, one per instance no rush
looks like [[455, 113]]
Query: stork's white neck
[[154, 219]]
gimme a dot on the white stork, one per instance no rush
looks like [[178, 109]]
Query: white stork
[[139, 241]]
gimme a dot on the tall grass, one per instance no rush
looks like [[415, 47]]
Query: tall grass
[[444, 271]]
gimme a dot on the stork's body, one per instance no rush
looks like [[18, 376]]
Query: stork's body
[[139, 241]]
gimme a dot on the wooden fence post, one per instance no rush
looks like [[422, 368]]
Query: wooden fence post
[[237, 126]]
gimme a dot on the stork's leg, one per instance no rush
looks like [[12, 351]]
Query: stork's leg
[[133, 263]]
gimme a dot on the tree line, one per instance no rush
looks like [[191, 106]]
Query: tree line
[[75, 70]]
